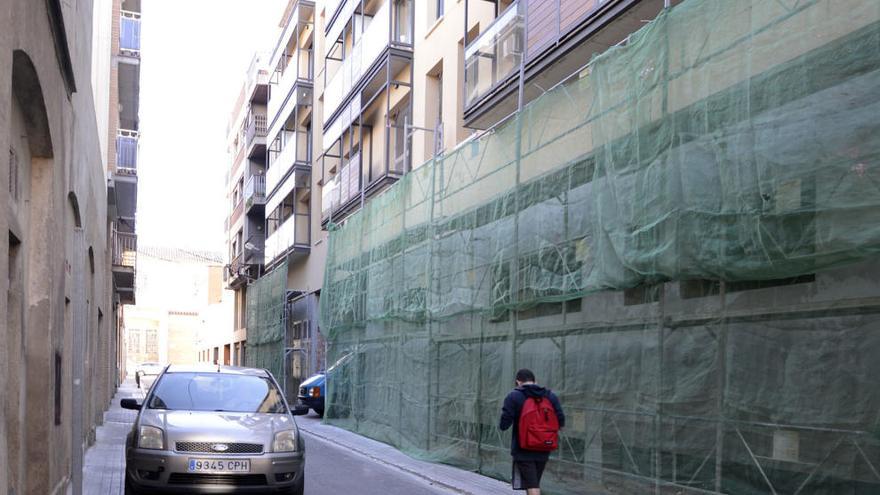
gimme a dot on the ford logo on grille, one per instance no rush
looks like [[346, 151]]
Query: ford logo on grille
[[220, 447]]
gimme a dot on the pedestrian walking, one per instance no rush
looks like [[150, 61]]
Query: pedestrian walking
[[536, 416]]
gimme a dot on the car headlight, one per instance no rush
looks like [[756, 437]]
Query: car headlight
[[285, 441], [150, 437], [316, 392]]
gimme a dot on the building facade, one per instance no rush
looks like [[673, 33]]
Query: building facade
[[677, 235], [352, 96], [181, 306], [62, 354]]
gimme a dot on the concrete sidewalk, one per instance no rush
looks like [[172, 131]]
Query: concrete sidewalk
[[104, 463], [454, 479]]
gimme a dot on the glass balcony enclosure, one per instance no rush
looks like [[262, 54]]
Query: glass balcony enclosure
[[358, 39], [130, 32], [287, 223], [367, 153], [495, 54], [255, 191], [126, 151], [294, 58], [291, 143]]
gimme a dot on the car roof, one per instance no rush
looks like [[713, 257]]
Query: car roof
[[213, 368]]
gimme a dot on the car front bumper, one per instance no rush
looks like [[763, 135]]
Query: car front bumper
[[312, 402], [166, 472]]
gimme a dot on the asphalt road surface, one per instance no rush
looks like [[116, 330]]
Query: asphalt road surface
[[333, 470]]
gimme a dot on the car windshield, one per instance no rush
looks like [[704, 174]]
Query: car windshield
[[217, 392]]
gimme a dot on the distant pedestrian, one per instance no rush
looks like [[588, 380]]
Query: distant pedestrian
[[536, 416]]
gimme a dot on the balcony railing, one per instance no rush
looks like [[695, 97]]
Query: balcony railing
[[130, 32], [372, 43], [235, 266], [257, 127], [255, 191], [124, 249], [126, 151], [292, 233], [495, 54], [294, 148]]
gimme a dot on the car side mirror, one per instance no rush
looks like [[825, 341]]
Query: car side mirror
[[132, 404], [299, 411]]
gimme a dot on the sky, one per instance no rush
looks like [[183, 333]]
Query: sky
[[195, 54]]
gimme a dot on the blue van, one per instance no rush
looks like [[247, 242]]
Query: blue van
[[313, 390]]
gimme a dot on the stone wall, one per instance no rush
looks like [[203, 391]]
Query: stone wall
[[56, 302]]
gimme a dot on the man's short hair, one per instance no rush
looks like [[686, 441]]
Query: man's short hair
[[525, 375]]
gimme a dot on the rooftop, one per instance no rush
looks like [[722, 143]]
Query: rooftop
[[181, 255]]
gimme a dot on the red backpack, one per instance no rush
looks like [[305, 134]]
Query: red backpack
[[538, 425]]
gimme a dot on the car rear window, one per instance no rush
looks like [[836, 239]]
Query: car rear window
[[217, 392]]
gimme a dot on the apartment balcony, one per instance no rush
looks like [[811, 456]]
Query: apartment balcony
[[124, 264], [125, 181], [387, 37], [255, 135], [247, 265], [254, 249], [257, 86], [293, 62], [126, 151], [255, 192], [129, 85], [289, 150], [241, 271], [347, 173], [291, 238], [550, 40], [130, 33], [495, 54]]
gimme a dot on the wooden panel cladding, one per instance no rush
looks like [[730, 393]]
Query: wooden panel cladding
[[572, 11], [549, 19], [543, 24]]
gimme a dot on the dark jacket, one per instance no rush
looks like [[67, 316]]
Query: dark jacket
[[513, 404]]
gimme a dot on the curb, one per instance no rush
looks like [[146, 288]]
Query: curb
[[426, 477]]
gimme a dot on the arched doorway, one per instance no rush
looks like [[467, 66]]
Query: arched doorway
[[31, 321]]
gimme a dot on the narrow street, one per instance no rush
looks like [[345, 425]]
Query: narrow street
[[331, 468]]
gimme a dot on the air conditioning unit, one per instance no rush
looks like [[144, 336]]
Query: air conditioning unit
[[511, 46]]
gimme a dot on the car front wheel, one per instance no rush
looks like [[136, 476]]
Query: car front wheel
[[300, 487], [129, 486]]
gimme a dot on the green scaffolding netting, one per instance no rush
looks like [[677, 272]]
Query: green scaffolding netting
[[265, 321], [681, 242]]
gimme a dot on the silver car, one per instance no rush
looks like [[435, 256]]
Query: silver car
[[214, 429]]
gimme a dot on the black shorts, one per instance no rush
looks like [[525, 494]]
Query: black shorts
[[527, 474]]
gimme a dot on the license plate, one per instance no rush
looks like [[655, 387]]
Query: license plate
[[219, 465]]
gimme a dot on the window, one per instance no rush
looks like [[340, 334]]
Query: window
[[434, 111], [402, 24], [57, 388], [14, 189], [642, 294], [436, 10], [151, 345]]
